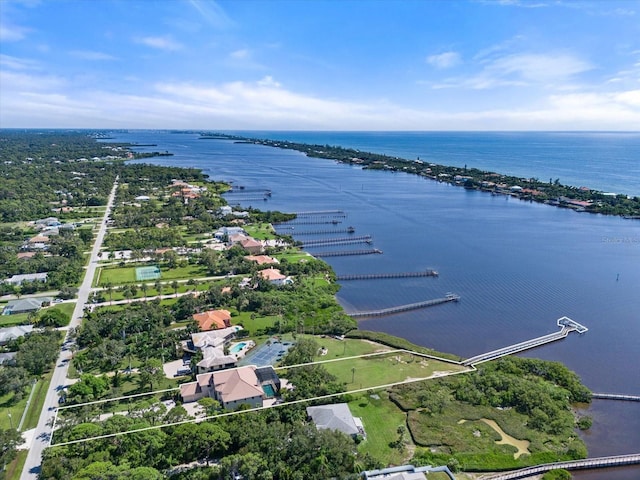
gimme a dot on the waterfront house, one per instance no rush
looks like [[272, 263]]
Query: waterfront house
[[273, 276], [261, 259], [248, 385], [251, 245]]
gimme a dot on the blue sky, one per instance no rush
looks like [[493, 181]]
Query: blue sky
[[321, 65]]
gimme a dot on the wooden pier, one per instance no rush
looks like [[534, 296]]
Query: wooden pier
[[333, 241], [317, 232], [373, 276], [450, 297], [344, 253], [584, 464], [322, 212], [615, 396], [311, 222], [567, 326]]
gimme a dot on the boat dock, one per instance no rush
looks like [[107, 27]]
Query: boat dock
[[337, 213], [584, 464], [615, 396], [311, 222], [373, 276], [317, 232], [449, 297], [567, 326], [337, 241], [343, 253]]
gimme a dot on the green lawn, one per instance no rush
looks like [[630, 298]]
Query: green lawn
[[11, 320], [14, 469], [385, 369], [16, 409], [124, 275], [293, 256], [261, 231], [381, 419], [37, 402]]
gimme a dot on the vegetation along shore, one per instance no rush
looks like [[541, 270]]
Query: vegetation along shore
[[551, 192], [187, 289]]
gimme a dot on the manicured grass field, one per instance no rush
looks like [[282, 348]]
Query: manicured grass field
[[11, 320], [124, 275], [385, 369], [262, 231], [293, 256]]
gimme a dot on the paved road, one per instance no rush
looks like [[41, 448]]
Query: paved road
[[43, 430]]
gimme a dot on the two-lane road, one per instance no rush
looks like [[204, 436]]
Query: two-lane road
[[43, 431]]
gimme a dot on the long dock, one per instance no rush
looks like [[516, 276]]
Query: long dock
[[616, 396], [450, 297], [317, 232], [339, 242], [373, 276], [311, 222], [567, 326], [331, 241], [584, 464], [321, 212], [344, 253]]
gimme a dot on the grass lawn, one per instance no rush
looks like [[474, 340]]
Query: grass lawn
[[384, 369], [293, 256], [124, 275], [11, 320], [14, 469], [381, 419], [261, 231], [253, 325], [37, 402]]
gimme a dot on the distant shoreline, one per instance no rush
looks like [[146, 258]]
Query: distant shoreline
[[579, 199]]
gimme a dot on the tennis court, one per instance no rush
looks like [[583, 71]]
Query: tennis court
[[147, 273], [269, 353]]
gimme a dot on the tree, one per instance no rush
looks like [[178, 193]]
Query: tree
[[151, 372], [175, 285], [53, 317], [9, 441]]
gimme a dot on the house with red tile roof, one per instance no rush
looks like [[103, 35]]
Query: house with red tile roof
[[251, 245], [273, 276], [213, 319], [261, 259]]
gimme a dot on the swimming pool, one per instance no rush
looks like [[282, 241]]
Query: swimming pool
[[269, 390], [237, 347]]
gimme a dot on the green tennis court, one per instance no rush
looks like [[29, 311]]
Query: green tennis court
[[147, 273]]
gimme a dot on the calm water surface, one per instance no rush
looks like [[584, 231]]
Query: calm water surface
[[518, 266]]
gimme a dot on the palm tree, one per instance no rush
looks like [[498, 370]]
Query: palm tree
[[144, 287], [158, 286]]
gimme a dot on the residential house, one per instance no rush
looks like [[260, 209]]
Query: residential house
[[26, 277], [273, 276], [212, 345], [248, 385], [262, 259], [213, 319], [26, 305], [405, 472], [251, 245], [11, 333], [336, 416]]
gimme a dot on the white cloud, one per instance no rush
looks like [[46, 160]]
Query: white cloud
[[91, 55], [212, 13], [240, 54], [444, 60], [15, 63], [521, 70], [161, 43], [12, 33]]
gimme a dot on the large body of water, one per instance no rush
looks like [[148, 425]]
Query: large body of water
[[518, 266]]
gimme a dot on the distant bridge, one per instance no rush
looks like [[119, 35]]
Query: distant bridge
[[585, 464], [566, 323]]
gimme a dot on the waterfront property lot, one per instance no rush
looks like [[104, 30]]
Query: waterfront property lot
[[387, 368], [122, 275]]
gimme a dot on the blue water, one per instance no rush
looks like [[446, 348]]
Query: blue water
[[605, 161], [518, 266]]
